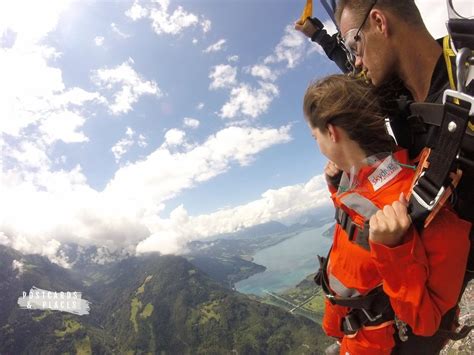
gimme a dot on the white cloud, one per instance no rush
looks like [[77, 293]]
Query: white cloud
[[31, 155], [76, 96], [206, 25], [131, 86], [19, 267], [123, 145], [249, 101], [164, 21], [116, 30], [27, 84], [31, 21], [174, 137], [137, 12], [246, 99], [191, 122], [63, 126], [222, 76], [182, 170], [330, 27], [174, 23], [290, 49], [283, 204], [99, 41], [215, 47], [263, 72], [200, 106], [233, 58], [61, 207], [37, 109], [142, 141], [194, 41]]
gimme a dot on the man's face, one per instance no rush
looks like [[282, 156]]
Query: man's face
[[369, 46]]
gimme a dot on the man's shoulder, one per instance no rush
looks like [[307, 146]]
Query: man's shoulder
[[439, 81]]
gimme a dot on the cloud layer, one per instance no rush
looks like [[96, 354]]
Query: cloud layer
[[164, 20]]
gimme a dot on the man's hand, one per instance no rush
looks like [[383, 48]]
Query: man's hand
[[307, 28], [389, 225]]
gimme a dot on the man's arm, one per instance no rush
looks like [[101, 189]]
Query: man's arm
[[314, 29]]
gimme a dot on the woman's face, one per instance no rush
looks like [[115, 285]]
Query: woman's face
[[326, 144]]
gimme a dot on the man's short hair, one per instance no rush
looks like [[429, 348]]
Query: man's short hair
[[405, 10]]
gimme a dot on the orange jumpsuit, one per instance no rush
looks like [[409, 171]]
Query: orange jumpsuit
[[422, 276]]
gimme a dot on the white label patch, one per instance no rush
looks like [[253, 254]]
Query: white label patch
[[384, 173]]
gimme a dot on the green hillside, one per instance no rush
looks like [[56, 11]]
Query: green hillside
[[149, 304]]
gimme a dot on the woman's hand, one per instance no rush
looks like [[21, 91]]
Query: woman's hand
[[389, 225], [332, 174], [331, 169]]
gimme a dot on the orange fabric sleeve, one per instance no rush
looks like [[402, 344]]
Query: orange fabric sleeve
[[332, 319], [423, 277]]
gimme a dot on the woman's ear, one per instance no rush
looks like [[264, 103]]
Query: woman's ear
[[333, 132]]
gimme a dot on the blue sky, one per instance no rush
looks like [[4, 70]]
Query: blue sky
[[146, 124]]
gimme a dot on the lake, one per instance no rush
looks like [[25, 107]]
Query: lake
[[288, 262]]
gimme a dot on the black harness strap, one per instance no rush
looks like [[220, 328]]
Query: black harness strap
[[462, 32], [368, 310], [452, 335], [432, 114], [352, 229], [433, 181]]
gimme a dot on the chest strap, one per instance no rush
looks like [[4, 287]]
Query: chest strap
[[355, 233]]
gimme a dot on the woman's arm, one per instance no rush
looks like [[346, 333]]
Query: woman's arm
[[423, 276]]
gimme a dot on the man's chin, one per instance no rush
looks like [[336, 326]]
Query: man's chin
[[375, 82]]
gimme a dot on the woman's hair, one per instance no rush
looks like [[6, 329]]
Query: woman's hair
[[352, 105]]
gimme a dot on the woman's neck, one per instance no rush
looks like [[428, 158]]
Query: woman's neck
[[353, 156]]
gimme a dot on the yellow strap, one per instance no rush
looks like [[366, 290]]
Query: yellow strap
[[307, 12], [448, 52]]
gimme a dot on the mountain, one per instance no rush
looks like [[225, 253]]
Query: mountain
[[81, 257], [152, 303], [226, 270], [257, 231], [24, 331], [228, 258]]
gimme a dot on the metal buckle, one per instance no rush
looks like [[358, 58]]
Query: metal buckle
[[463, 57], [372, 319], [429, 206], [348, 324], [460, 96]]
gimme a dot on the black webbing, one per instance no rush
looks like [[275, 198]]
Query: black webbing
[[352, 229], [441, 160]]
